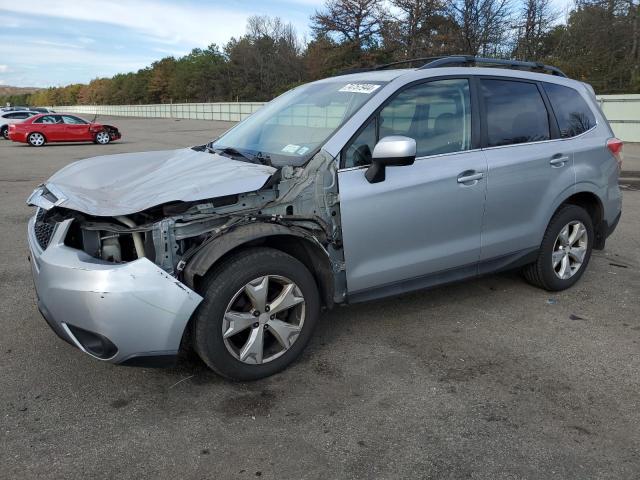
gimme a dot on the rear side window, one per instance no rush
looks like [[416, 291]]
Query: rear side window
[[17, 116], [573, 114], [49, 119], [515, 112]]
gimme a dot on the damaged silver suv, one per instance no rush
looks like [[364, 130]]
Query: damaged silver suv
[[347, 189]]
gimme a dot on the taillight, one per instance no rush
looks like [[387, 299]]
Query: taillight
[[615, 147]]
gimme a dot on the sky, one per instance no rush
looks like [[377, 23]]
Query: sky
[[58, 42]]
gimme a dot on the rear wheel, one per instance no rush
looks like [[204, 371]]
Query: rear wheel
[[565, 250], [36, 139], [102, 138], [259, 310], [4, 131]]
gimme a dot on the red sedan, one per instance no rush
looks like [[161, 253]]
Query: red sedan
[[43, 128]]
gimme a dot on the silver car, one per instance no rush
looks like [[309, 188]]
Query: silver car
[[347, 189]]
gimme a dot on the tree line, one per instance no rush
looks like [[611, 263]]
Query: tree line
[[598, 43]]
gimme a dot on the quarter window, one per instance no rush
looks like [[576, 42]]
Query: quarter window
[[572, 112], [515, 112], [437, 115]]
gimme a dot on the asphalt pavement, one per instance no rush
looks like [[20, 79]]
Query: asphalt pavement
[[486, 379]]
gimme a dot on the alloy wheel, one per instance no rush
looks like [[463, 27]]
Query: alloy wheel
[[263, 319], [103, 138], [569, 250], [36, 139]]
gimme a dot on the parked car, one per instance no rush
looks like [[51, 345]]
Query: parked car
[[11, 117], [43, 128], [14, 108], [42, 109], [347, 189]]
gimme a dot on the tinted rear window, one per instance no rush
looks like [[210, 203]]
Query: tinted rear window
[[515, 112], [573, 114]]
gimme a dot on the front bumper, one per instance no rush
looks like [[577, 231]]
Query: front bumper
[[135, 309]]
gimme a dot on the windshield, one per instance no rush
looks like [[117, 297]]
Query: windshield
[[289, 129]]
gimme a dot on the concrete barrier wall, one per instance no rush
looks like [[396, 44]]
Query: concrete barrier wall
[[623, 112], [231, 112]]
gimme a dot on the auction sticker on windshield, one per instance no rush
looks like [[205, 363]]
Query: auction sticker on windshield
[[290, 148], [360, 88]]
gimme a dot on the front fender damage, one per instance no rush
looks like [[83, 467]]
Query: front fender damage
[[296, 211]]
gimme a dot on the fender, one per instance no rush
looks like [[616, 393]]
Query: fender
[[315, 257]]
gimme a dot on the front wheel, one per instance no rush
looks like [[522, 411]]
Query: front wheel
[[5, 132], [36, 139], [259, 310], [102, 138], [565, 250]]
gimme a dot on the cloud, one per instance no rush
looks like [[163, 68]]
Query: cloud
[[49, 43], [195, 24], [4, 68]]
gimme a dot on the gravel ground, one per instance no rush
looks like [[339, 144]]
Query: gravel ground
[[489, 379]]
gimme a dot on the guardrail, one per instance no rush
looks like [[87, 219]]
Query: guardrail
[[230, 112], [623, 112]]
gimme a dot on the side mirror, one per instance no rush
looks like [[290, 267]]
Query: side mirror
[[393, 151]]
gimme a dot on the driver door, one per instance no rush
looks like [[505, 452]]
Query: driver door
[[76, 130], [422, 224]]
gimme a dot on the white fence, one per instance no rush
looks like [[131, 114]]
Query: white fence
[[230, 112], [623, 112]]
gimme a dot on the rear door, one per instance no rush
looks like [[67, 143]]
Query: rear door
[[528, 168], [51, 126], [422, 223]]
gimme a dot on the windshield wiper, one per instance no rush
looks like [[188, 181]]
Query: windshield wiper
[[259, 157], [230, 151]]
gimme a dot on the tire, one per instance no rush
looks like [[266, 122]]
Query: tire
[[36, 139], [4, 132], [224, 290], [102, 137], [559, 266]]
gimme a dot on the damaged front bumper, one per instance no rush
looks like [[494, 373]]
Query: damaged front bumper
[[132, 313]]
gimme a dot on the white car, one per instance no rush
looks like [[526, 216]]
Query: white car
[[8, 118]]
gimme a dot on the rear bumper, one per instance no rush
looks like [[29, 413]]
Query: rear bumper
[[119, 313], [18, 136]]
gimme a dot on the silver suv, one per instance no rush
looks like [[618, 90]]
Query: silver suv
[[347, 189]]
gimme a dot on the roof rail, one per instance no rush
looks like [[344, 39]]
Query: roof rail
[[468, 60], [409, 60]]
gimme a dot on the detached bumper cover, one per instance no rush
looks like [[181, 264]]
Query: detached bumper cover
[[137, 306]]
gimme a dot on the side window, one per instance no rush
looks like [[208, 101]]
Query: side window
[[70, 120], [48, 119], [515, 112], [437, 115], [358, 152], [573, 114]]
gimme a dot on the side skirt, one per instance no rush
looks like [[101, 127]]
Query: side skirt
[[444, 277]]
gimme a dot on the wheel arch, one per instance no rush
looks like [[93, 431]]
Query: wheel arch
[[36, 131], [594, 207], [295, 242]]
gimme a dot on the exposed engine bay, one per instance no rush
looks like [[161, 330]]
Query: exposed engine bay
[[298, 205], [113, 132]]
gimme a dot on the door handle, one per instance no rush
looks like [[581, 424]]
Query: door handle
[[470, 176], [559, 161]]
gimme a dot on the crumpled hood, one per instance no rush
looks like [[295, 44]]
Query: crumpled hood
[[127, 183]]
